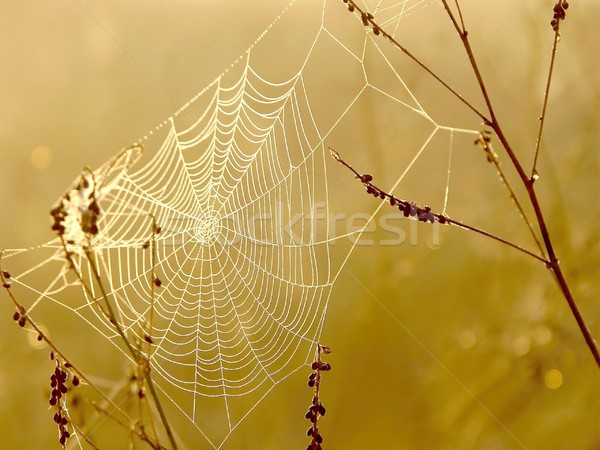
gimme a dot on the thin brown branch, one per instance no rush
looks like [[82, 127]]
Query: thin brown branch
[[84, 435], [493, 122], [137, 356], [484, 142], [462, 21], [424, 213], [45, 338], [59, 354], [136, 430], [560, 278], [534, 172], [369, 20]]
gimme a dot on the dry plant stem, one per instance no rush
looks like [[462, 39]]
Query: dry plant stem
[[146, 403], [545, 105], [554, 266], [528, 182], [445, 219], [462, 21], [139, 433], [152, 282], [493, 158], [85, 437], [72, 366], [136, 355]]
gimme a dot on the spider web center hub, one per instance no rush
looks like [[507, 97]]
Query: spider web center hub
[[207, 228]]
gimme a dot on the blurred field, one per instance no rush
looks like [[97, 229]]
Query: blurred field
[[461, 344]]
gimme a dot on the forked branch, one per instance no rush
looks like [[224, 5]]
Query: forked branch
[[491, 120]]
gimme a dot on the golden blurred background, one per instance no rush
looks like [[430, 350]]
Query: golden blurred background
[[456, 344]]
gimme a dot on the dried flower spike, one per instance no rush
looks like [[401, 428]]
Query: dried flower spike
[[59, 389], [316, 409]]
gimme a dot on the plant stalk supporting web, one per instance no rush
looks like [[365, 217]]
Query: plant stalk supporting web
[[137, 355], [86, 228], [492, 121], [81, 374]]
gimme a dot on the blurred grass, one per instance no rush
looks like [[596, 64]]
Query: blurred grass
[[444, 349]]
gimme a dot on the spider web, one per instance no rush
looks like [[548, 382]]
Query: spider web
[[238, 180]]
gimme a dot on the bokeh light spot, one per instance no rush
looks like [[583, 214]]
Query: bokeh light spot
[[542, 335], [41, 157], [553, 379], [522, 345], [467, 339]]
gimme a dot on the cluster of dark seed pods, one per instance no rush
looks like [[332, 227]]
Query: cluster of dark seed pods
[[422, 213], [366, 17], [58, 383], [6, 279], [560, 13], [316, 409]]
